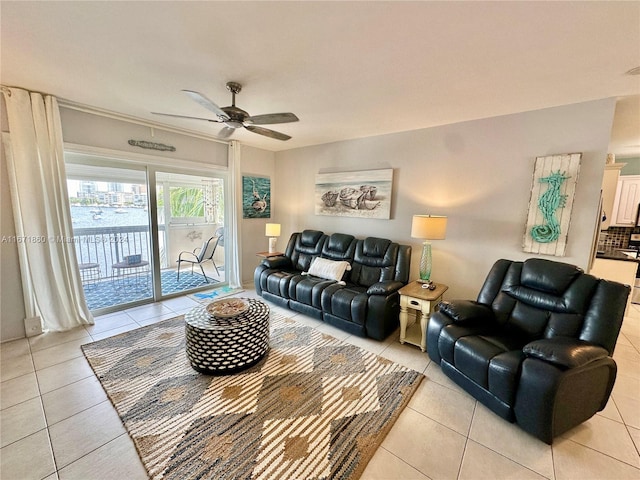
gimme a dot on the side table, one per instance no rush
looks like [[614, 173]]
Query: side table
[[422, 300], [269, 255], [138, 271]]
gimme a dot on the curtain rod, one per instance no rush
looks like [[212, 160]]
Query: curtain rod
[[123, 117], [138, 121]]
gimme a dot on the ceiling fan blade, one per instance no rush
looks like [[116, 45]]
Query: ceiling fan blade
[[226, 132], [185, 116], [271, 118], [207, 103], [267, 133]]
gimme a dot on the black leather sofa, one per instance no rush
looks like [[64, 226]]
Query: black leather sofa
[[363, 302], [536, 346]]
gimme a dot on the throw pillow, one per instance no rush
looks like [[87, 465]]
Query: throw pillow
[[328, 269]]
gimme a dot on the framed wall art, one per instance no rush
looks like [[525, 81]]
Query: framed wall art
[[364, 194], [552, 192], [256, 197]]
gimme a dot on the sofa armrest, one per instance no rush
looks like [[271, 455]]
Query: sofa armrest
[[465, 311], [277, 262], [564, 352], [384, 288]]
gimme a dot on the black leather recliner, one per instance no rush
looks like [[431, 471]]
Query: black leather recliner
[[536, 346]]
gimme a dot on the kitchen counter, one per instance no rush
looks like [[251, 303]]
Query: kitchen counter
[[614, 265], [618, 254]]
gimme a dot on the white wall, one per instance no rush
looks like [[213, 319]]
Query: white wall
[[104, 132], [478, 173], [257, 162]]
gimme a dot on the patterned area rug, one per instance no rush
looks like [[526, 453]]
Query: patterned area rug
[[219, 292], [314, 408]]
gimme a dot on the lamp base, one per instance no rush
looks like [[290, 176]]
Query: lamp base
[[425, 263], [272, 244]]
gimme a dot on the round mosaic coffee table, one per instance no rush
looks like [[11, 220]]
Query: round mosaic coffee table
[[221, 345]]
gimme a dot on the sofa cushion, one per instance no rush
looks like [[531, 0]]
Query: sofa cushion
[[339, 246], [348, 303], [504, 374], [375, 261], [548, 276], [307, 245], [308, 289], [277, 283]]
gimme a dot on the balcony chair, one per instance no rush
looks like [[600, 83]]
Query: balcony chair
[[220, 233], [200, 255], [536, 347]]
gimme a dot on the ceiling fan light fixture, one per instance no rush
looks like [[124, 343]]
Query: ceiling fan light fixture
[[233, 124]]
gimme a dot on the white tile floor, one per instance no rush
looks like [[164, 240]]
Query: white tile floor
[[57, 423]]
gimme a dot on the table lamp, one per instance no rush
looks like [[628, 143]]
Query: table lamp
[[427, 227], [272, 230]]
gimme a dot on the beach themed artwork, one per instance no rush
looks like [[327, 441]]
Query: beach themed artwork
[[551, 202], [364, 194], [256, 197]]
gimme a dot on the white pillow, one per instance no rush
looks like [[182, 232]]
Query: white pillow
[[328, 269]]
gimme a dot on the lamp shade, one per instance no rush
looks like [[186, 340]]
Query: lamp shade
[[429, 227], [272, 230]]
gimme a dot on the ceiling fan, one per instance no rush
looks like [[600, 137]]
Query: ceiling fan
[[233, 117]]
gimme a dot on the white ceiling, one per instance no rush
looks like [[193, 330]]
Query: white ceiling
[[347, 69]]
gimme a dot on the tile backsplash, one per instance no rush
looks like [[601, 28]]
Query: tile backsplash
[[615, 237]]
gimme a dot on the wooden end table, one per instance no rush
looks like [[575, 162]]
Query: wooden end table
[[269, 255], [422, 300]]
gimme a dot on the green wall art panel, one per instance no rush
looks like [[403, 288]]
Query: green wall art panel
[[256, 197], [551, 203]]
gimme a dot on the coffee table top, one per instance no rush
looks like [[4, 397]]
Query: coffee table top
[[200, 318]]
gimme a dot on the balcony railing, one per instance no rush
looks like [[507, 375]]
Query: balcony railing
[[99, 249], [102, 247]]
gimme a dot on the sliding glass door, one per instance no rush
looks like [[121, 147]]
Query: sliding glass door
[[190, 213], [142, 234]]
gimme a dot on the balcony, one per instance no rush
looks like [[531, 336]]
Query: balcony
[[108, 280]]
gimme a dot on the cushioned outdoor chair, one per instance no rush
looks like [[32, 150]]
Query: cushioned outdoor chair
[[220, 233], [200, 255], [536, 347]]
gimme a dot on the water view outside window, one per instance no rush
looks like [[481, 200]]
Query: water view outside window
[[110, 218]]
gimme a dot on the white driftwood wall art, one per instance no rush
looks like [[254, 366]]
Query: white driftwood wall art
[[552, 193]]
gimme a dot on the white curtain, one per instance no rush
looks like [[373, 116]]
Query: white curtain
[[232, 240], [37, 181]]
